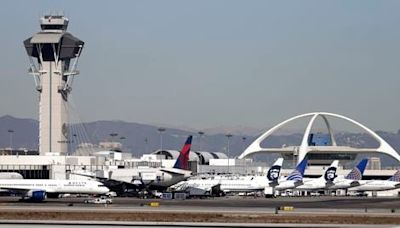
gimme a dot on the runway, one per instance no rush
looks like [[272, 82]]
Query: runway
[[233, 203], [232, 210]]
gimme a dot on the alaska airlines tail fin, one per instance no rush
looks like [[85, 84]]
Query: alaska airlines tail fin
[[298, 173], [183, 160], [396, 176], [330, 173], [357, 172], [275, 170]]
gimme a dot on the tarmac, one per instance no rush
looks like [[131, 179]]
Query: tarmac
[[297, 211]]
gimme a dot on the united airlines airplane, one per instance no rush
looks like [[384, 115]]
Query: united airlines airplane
[[294, 179], [379, 185], [37, 189], [352, 179]]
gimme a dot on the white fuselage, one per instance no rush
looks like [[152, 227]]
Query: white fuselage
[[229, 184], [342, 183], [376, 185], [55, 186], [287, 184], [313, 184]]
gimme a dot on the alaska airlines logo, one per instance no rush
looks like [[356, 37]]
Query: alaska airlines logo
[[355, 174], [273, 173], [330, 174]]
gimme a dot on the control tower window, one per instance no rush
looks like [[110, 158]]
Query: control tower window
[[52, 27]]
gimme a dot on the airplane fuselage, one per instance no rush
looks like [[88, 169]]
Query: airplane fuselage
[[55, 186], [376, 185]]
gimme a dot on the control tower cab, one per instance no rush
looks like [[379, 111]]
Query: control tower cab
[[53, 54]]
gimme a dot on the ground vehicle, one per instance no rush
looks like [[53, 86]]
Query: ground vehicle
[[111, 194], [101, 200]]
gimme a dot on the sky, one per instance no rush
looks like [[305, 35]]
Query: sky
[[205, 64]]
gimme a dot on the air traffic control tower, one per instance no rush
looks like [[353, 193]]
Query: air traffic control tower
[[53, 54]]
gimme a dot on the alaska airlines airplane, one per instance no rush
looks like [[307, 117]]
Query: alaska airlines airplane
[[379, 185], [236, 184], [322, 182], [294, 179], [37, 189], [352, 179]]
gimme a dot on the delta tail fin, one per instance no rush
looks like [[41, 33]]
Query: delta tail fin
[[396, 176], [275, 170], [183, 160], [330, 173], [298, 173], [357, 172]]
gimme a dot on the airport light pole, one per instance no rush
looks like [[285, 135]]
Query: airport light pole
[[122, 139], [11, 132], [113, 135], [201, 133], [146, 144], [161, 131], [228, 136], [243, 145]]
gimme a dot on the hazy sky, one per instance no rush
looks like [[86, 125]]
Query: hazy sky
[[205, 64]]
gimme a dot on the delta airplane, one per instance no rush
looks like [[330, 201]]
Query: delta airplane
[[38, 189], [294, 179], [379, 185], [326, 180], [150, 178], [352, 179], [236, 184]]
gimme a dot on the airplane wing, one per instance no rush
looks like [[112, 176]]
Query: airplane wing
[[113, 182], [176, 171]]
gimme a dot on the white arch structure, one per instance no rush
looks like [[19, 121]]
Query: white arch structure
[[304, 148]]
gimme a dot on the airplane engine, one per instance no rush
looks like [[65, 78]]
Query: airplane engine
[[36, 195]]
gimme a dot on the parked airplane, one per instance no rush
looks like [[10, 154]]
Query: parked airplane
[[294, 179], [326, 180], [38, 189], [352, 179], [379, 185], [11, 175], [122, 180], [229, 184]]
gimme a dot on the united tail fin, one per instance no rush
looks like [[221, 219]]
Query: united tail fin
[[357, 172], [396, 176], [298, 173], [330, 173], [183, 160], [275, 170]]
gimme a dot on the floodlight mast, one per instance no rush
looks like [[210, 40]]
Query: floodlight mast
[[53, 54]]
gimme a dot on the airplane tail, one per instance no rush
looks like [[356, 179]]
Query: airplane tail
[[396, 176], [330, 173], [183, 160], [298, 173], [357, 172], [275, 170]]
